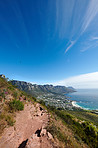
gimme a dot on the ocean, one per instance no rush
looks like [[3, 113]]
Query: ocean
[[85, 98]]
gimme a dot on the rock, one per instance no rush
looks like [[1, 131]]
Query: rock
[[34, 136], [33, 142], [41, 108], [43, 132], [50, 136]]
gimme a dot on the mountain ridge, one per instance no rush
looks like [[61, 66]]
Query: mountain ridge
[[35, 89]]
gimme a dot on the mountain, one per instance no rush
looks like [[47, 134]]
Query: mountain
[[35, 89], [70, 87]]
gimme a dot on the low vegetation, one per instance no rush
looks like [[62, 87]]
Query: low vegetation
[[83, 130], [16, 105], [11, 100], [55, 131], [85, 115]]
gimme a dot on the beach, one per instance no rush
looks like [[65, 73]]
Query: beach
[[74, 104], [85, 99]]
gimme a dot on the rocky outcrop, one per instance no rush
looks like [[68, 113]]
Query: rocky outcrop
[[41, 139]]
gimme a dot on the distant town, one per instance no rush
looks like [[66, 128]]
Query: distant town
[[59, 101]]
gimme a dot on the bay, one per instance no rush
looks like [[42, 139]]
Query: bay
[[85, 98]]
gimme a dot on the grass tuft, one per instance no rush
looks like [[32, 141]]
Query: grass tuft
[[16, 105]]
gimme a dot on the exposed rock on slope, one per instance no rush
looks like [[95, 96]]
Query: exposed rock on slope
[[28, 130]]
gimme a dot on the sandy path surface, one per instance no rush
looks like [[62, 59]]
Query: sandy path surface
[[27, 123]]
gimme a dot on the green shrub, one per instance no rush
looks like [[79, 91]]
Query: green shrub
[[34, 99], [92, 135], [15, 95], [16, 105], [56, 132], [2, 95], [0, 99], [52, 129], [51, 108], [9, 120], [85, 131], [42, 102], [6, 119], [11, 88]]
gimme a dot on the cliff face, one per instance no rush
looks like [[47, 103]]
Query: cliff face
[[35, 89]]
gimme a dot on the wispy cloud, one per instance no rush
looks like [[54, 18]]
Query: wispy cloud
[[85, 48], [89, 80], [90, 43], [71, 44], [82, 21], [94, 38], [91, 12]]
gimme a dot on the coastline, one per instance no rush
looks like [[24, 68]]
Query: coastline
[[74, 104], [84, 99]]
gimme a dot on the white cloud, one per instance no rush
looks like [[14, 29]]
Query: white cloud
[[71, 44], [33, 82], [94, 38], [90, 43], [92, 11], [93, 45], [88, 16], [89, 80]]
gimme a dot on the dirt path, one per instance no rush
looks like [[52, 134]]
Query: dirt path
[[28, 128]]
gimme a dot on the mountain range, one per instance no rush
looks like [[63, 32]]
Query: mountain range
[[36, 90]]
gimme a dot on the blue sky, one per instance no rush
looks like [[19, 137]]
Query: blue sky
[[46, 41]]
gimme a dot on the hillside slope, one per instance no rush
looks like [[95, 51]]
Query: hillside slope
[[22, 121], [27, 122]]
